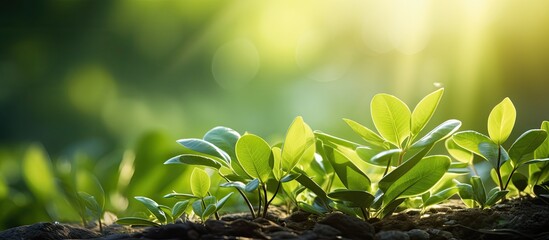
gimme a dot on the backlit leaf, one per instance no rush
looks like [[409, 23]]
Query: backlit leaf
[[254, 154], [364, 132], [223, 138], [382, 158], [349, 174], [419, 179], [200, 183], [298, 144], [543, 150], [456, 151], [470, 140], [153, 207], [391, 117], [527, 143], [192, 159], [38, 173], [501, 121], [442, 131], [424, 110]]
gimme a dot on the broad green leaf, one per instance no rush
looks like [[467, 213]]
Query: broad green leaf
[[180, 196], [367, 153], [440, 196], [424, 110], [135, 221], [277, 163], [254, 154], [391, 117], [366, 134], [307, 182], [357, 198], [479, 193], [252, 185], [495, 196], [501, 121], [90, 203], [179, 208], [396, 174], [38, 173], [459, 168], [198, 209], [192, 159], [236, 184], [527, 143], [219, 204], [465, 190], [419, 179], [200, 183], [442, 131], [520, 181], [470, 140], [223, 138], [349, 174], [459, 153], [382, 158], [200, 146], [494, 154], [210, 209], [153, 207], [335, 142], [543, 150], [299, 144]]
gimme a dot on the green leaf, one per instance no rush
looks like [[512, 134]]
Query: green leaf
[[368, 135], [495, 196], [520, 181], [224, 138], [465, 190], [357, 198], [192, 159], [527, 143], [252, 185], [180, 195], [299, 144], [440, 196], [544, 160], [391, 117], [90, 203], [543, 150], [277, 162], [198, 209], [479, 193], [335, 142], [307, 182], [349, 174], [200, 183], [442, 131], [219, 204], [382, 158], [179, 208], [135, 221], [459, 153], [289, 177], [470, 140], [459, 168], [235, 184], [153, 207], [490, 152], [419, 179], [501, 121], [204, 147], [424, 110], [210, 209], [254, 154], [396, 174]]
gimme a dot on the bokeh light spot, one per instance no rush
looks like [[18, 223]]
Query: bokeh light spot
[[90, 88], [235, 64]]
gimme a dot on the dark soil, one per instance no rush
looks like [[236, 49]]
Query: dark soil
[[523, 218]]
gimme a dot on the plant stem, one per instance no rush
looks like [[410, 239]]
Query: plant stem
[[250, 206], [266, 201], [274, 195], [260, 202], [364, 213], [509, 179], [498, 169]]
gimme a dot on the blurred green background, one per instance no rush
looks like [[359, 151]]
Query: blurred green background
[[102, 89]]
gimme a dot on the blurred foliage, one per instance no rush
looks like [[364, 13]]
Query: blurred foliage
[[102, 90]]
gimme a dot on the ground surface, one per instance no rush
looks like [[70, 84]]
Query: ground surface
[[524, 218]]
